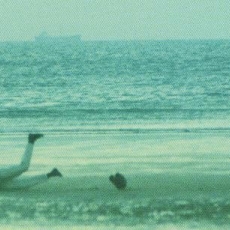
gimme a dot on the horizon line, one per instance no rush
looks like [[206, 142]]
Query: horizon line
[[126, 40]]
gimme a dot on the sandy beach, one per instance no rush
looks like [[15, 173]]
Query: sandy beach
[[141, 186], [179, 181], [159, 201]]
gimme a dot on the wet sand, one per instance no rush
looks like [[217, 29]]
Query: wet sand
[[145, 186], [179, 172]]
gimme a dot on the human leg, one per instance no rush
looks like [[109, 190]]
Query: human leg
[[23, 182], [25, 162], [12, 171]]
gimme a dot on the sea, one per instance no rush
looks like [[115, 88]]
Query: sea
[[156, 111]]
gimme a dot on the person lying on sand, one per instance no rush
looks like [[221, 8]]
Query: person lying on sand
[[118, 181], [10, 176]]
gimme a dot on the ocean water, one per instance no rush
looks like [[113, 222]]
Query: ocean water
[[114, 85], [157, 111]]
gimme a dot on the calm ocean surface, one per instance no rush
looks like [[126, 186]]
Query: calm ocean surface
[[145, 108]]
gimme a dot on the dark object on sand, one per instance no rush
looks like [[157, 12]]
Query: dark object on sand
[[118, 180]]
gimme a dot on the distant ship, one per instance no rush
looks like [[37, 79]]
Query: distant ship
[[44, 37]]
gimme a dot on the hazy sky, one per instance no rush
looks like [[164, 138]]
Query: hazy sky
[[115, 19]]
